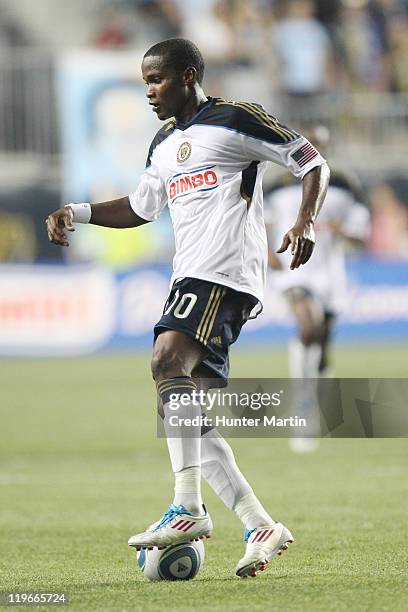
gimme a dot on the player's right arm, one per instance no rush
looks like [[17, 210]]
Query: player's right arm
[[115, 213], [138, 208]]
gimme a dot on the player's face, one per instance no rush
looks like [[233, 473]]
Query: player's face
[[167, 91]]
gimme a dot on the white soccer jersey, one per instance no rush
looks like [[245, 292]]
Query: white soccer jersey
[[325, 273], [209, 172]]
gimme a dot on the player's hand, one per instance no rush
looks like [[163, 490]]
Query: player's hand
[[301, 238], [57, 222]]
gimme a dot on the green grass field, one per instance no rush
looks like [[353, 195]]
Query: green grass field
[[82, 469]]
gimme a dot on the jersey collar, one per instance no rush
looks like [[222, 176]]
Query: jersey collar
[[203, 107]]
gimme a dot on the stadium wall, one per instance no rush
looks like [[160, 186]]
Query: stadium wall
[[53, 310]]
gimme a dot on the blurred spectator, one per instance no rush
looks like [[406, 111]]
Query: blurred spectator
[[327, 11], [12, 32], [250, 23], [212, 30], [161, 19], [227, 31], [230, 35], [138, 23], [362, 47], [302, 47], [113, 30], [398, 53], [389, 235], [249, 28]]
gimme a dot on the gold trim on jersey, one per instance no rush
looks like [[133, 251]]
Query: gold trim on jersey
[[268, 121], [169, 125], [265, 119]]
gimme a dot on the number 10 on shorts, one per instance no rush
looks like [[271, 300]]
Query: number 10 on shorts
[[184, 305]]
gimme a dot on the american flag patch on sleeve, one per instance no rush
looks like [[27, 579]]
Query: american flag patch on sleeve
[[303, 155]]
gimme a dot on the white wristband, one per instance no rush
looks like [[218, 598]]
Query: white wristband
[[81, 212]]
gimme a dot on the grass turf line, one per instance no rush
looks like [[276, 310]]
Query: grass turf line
[[81, 469]]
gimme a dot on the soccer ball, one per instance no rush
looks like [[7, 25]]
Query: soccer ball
[[179, 562]]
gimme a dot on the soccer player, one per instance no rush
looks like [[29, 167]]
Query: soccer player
[[206, 163], [315, 294]]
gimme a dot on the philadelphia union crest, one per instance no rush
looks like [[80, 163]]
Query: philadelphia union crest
[[184, 152]]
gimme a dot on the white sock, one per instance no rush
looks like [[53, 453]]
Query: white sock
[[219, 469], [184, 444], [187, 490], [304, 360], [251, 512], [304, 367]]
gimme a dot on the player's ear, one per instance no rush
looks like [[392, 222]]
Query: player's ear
[[190, 76]]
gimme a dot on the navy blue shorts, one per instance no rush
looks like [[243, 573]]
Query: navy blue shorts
[[211, 314]]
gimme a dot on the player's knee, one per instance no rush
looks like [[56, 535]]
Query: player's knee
[[310, 334], [167, 362], [306, 337]]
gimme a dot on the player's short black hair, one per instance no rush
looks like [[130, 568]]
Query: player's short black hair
[[179, 54]]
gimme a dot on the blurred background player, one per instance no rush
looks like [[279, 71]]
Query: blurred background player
[[317, 293]]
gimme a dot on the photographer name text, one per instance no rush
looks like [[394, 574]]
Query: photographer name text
[[225, 421]]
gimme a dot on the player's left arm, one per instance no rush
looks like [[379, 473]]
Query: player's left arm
[[264, 138], [301, 237]]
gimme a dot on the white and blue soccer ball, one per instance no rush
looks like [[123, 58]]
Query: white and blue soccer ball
[[178, 562]]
